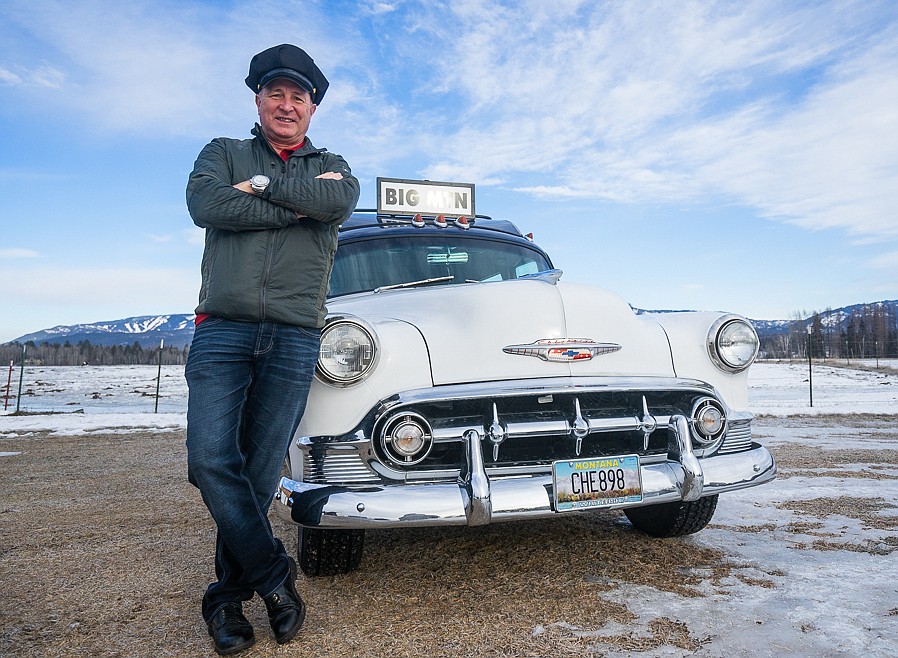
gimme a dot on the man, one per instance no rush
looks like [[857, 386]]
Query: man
[[271, 207]]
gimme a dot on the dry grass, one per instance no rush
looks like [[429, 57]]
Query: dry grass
[[866, 510], [800, 460], [106, 550], [803, 456]]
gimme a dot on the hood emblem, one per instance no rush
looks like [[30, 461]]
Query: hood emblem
[[563, 349]]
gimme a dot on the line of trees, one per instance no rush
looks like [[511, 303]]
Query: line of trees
[[86, 353], [869, 331]]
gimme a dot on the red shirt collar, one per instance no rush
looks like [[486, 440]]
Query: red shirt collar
[[286, 153]]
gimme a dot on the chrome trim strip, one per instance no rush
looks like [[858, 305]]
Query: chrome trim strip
[[554, 427], [547, 386], [510, 498], [537, 428]]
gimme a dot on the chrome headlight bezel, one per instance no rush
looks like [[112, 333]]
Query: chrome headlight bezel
[[354, 330], [728, 339], [388, 439], [703, 409]]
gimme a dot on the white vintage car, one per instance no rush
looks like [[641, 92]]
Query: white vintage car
[[462, 382]]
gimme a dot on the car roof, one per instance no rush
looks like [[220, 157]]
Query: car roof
[[364, 222]]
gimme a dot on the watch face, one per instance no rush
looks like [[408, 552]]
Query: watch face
[[259, 180]]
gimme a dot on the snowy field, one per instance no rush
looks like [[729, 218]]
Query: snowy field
[[96, 398], [816, 550]]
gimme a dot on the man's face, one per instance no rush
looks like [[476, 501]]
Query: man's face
[[285, 110]]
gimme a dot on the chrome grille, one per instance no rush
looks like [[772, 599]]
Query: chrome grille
[[738, 437], [537, 427], [525, 427], [334, 466]]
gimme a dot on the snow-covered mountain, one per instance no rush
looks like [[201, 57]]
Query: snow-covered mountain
[[177, 330], [147, 330], [836, 319]]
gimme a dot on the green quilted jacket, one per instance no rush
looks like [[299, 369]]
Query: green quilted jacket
[[262, 262]]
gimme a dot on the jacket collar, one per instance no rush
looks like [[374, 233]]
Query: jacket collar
[[306, 148]]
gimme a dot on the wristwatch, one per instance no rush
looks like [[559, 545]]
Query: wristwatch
[[259, 183]]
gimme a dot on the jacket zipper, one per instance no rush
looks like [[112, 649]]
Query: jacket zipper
[[266, 274], [269, 250], [269, 260]]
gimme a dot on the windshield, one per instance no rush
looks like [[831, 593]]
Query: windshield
[[392, 261]]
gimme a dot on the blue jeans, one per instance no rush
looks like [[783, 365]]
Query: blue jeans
[[248, 383]]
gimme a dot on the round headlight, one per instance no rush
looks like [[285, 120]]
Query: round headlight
[[347, 352], [733, 343]]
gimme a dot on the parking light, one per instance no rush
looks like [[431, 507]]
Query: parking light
[[407, 438]]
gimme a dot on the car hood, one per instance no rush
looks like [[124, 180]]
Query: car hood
[[466, 327]]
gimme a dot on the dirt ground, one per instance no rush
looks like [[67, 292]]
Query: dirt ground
[[106, 550]]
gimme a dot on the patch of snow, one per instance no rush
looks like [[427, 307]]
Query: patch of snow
[[820, 602], [785, 389]]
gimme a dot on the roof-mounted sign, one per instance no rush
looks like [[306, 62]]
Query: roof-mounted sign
[[397, 196]]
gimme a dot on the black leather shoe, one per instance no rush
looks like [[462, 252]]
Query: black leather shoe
[[230, 630], [286, 611]]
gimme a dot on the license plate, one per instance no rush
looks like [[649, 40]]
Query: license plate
[[597, 482]]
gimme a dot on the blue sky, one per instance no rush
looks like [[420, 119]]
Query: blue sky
[[736, 156]]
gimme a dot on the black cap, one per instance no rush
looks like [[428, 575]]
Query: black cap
[[287, 61]]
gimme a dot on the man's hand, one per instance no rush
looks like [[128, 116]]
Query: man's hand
[[244, 187]]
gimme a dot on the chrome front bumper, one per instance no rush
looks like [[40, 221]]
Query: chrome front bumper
[[477, 499]]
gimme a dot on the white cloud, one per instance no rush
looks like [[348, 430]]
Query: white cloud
[[770, 106], [43, 76], [46, 76], [137, 69], [15, 252], [380, 7], [827, 162], [7, 77], [886, 261], [195, 236]]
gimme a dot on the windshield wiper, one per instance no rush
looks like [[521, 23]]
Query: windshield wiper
[[412, 284]]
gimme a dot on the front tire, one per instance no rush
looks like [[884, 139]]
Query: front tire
[[329, 552], [673, 519]]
